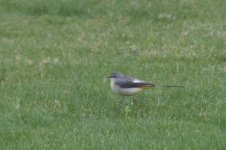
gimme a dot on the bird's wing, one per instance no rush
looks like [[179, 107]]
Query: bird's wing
[[133, 83]]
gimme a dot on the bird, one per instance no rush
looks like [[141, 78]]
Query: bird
[[128, 86]]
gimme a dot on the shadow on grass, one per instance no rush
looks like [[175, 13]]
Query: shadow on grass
[[135, 109]]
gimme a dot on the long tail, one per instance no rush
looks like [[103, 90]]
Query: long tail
[[180, 86]]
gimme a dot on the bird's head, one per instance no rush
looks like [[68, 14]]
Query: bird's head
[[115, 75]]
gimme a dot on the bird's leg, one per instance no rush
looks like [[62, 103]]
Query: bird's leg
[[121, 100], [119, 103], [136, 100], [140, 101]]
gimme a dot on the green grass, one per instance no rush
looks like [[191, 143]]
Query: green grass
[[55, 54]]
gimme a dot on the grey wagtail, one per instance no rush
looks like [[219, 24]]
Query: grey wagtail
[[128, 86]]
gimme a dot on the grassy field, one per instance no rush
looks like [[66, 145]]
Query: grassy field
[[55, 55]]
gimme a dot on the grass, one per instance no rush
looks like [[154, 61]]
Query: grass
[[55, 55]]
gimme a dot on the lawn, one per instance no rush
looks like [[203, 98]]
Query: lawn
[[55, 55]]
